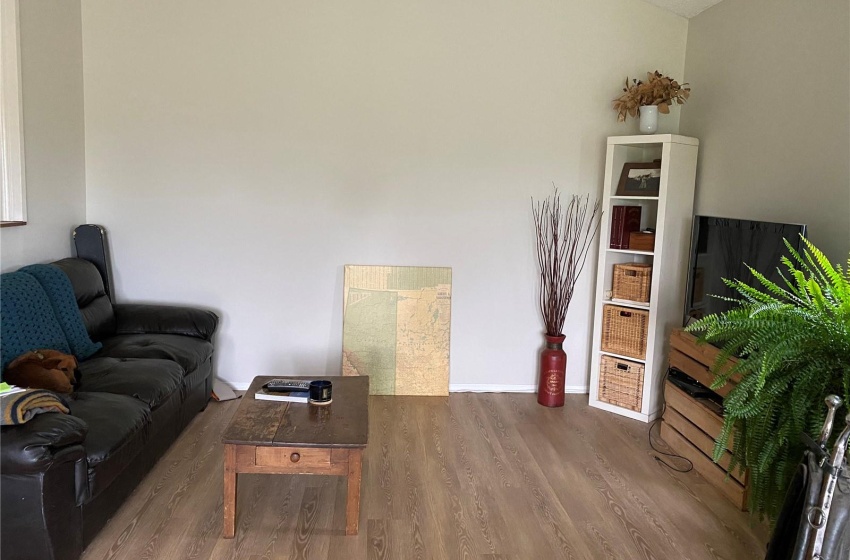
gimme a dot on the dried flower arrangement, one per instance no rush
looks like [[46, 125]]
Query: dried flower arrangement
[[658, 90]]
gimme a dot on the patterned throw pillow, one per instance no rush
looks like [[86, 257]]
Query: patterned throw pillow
[[27, 321]]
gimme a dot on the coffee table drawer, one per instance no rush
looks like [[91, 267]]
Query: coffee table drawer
[[303, 457]]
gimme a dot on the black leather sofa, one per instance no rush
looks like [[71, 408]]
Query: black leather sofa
[[63, 476]]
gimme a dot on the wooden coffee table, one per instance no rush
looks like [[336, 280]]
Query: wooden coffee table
[[272, 437]]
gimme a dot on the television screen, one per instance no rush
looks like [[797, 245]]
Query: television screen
[[723, 248]]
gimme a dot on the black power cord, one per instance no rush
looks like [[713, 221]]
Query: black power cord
[[652, 444]]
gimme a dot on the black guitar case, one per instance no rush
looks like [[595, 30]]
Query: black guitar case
[[90, 243]]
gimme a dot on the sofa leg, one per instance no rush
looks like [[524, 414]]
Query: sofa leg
[[208, 387]]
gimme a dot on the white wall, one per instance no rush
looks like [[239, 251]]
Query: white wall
[[240, 153], [771, 107], [52, 74]]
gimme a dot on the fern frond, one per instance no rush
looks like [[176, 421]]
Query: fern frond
[[792, 344]]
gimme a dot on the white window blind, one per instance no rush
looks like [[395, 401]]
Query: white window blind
[[13, 195]]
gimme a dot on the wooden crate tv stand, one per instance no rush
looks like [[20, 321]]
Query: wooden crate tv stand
[[690, 425]]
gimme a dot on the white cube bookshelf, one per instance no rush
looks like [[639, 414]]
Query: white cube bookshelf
[[671, 214]]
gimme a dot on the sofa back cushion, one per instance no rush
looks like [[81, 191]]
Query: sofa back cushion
[[27, 321], [92, 300]]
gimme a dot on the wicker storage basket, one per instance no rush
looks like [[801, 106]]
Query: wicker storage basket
[[624, 331], [621, 383], [632, 282]]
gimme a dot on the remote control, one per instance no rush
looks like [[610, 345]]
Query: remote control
[[279, 385]]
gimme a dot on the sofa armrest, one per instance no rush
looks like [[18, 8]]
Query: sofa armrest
[[42, 517], [43, 441], [135, 318]]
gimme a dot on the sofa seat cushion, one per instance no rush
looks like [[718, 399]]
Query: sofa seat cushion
[[187, 351], [150, 381], [119, 427]]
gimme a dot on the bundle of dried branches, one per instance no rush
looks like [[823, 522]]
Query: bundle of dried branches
[[563, 240], [658, 90]]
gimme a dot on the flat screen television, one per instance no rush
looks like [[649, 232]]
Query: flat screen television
[[722, 248]]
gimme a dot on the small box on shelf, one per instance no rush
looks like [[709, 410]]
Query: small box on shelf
[[642, 241]]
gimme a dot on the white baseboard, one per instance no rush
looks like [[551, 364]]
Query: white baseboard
[[487, 388], [237, 386], [471, 388]]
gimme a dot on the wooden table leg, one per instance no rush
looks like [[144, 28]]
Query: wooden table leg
[[352, 506], [229, 529]]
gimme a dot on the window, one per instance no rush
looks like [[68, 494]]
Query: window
[[13, 208]]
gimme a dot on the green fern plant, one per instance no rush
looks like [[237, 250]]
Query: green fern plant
[[793, 343]]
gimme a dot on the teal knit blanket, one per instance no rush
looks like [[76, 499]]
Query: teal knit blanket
[[27, 321], [60, 292], [38, 310]]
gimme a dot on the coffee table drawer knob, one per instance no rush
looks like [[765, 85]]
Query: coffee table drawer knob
[[295, 457]]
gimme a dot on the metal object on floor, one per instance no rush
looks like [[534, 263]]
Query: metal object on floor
[[814, 523], [818, 516]]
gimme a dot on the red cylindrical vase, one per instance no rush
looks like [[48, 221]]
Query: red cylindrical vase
[[553, 368]]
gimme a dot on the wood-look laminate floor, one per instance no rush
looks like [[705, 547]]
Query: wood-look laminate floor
[[471, 476]]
